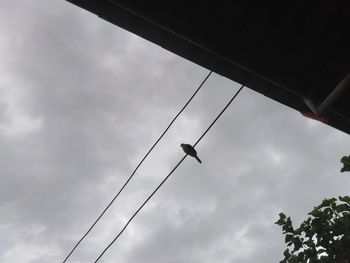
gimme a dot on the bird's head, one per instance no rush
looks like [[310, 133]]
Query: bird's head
[[182, 144]]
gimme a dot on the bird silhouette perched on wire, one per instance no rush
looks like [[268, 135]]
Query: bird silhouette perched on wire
[[188, 149]]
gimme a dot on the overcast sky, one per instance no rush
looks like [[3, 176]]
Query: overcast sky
[[82, 100]]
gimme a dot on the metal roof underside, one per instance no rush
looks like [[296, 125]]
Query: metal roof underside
[[290, 51]]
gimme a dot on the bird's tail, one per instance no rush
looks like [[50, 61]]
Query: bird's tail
[[199, 160]]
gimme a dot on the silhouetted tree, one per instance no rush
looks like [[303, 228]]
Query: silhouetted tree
[[324, 237]]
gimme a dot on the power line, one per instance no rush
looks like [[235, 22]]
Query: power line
[[137, 167], [166, 178]]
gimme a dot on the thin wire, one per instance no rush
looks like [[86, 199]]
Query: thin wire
[[137, 167], [223, 110], [166, 178], [138, 210]]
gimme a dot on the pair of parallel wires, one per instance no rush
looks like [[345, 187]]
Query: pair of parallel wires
[[137, 167]]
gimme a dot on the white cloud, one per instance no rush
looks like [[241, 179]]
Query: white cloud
[[15, 120]]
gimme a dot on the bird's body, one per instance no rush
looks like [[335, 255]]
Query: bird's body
[[188, 149]]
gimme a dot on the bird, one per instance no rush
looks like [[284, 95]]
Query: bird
[[188, 149]]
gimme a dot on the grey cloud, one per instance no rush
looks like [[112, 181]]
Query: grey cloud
[[103, 96]]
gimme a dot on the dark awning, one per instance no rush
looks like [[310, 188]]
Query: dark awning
[[295, 52]]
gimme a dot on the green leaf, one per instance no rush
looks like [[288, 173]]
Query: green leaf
[[345, 199], [316, 212], [297, 244], [288, 238], [282, 220], [345, 160], [326, 202], [342, 207], [346, 163], [282, 216], [286, 253]]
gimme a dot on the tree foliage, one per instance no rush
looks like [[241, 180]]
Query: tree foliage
[[324, 237], [346, 164]]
